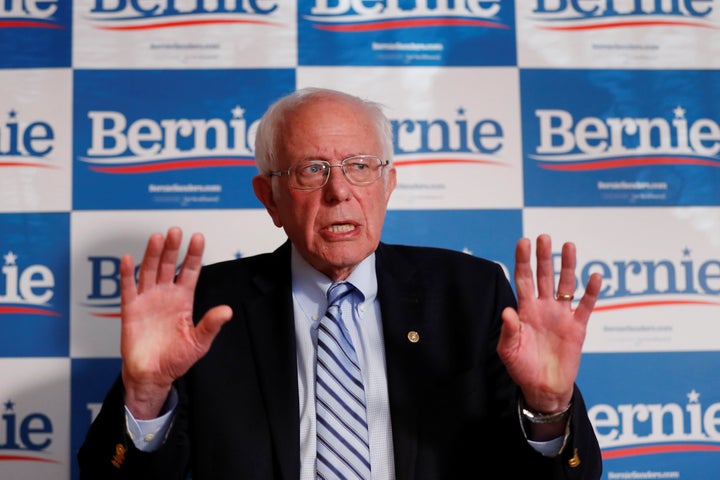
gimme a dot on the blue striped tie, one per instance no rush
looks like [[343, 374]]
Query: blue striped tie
[[342, 432]]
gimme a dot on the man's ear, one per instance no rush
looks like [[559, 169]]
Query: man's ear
[[390, 184], [262, 186]]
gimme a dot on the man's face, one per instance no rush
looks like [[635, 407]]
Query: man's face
[[337, 226]]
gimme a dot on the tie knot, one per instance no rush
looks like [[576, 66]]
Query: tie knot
[[338, 291]]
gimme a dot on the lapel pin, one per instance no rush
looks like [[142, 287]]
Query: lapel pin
[[575, 460], [119, 458]]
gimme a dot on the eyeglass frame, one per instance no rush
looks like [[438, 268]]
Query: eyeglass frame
[[341, 165]]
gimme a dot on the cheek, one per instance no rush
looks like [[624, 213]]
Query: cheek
[[375, 215], [297, 211]]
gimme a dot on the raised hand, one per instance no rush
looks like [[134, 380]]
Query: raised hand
[[541, 343], [158, 341]]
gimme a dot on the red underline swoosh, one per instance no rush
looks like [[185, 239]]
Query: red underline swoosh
[[628, 162], [653, 303], [175, 165], [26, 164], [406, 163], [27, 458], [657, 449], [105, 315], [188, 23], [409, 23], [638, 23], [28, 310], [29, 24]]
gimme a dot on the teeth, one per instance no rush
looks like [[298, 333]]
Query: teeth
[[341, 228]]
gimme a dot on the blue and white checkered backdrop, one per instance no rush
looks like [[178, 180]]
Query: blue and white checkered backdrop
[[596, 121]]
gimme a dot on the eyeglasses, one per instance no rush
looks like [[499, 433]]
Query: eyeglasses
[[313, 174]]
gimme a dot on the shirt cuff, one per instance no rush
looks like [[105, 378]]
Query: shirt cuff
[[149, 435], [551, 448]]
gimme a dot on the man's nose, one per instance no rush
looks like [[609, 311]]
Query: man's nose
[[337, 186]]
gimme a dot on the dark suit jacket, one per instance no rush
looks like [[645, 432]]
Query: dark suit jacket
[[453, 406]]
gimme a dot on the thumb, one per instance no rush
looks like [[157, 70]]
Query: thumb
[[509, 334], [209, 325]]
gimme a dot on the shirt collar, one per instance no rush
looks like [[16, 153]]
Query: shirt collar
[[311, 285]]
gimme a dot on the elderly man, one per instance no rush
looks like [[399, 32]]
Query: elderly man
[[418, 364]]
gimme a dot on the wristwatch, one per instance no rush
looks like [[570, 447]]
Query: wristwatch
[[537, 417]]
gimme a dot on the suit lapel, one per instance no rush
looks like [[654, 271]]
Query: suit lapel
[[401, 302], [272, 333]]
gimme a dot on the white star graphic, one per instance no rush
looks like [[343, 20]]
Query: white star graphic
[[238, 112], [679, 112], [693, 396], [10, 258]]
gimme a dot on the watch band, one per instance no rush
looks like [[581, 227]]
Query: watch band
[[537, 417]]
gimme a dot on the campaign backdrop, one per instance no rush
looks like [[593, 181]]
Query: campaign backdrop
[[594, 121]]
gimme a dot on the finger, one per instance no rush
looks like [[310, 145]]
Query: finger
[[566, 283], [192, 263], [545, 272], [169, 256], [147, 276], [589, 298], [128, 288], [524, 282]]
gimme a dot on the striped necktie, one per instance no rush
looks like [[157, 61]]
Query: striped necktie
[[342, 431]]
